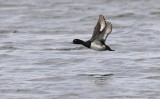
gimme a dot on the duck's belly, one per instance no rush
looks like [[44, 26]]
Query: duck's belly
[[98, 46]]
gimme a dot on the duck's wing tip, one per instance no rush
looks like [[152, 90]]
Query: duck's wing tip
[[108, 28], [102, 22], [107, 31]]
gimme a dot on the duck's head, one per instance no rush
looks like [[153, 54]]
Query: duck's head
[[77, 41]]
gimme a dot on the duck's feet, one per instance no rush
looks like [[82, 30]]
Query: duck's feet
[[108, 48]]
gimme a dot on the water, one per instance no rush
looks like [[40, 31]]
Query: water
[[39, 61]]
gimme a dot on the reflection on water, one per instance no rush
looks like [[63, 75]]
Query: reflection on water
[[39, 61]]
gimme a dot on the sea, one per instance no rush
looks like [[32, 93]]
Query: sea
[[39, 61]]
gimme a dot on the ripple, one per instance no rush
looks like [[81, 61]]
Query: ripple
[[155, 13], [8, 31], [48, 79], [97, 75], [65, 49], [153, 77], [22, 91], [8, 47], [123, 15]]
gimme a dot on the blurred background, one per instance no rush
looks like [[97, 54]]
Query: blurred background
[[39, 61]]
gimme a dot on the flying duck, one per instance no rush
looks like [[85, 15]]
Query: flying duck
[[100, 33]]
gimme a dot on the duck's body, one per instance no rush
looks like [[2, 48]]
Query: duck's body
[[101, 31], [95, 45]]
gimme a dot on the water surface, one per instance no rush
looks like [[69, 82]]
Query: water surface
[[39, 61]]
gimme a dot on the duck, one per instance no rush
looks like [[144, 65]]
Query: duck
[[99, 36]]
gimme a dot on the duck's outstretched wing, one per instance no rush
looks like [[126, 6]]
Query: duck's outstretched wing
[[106, 32], [100, 26]]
